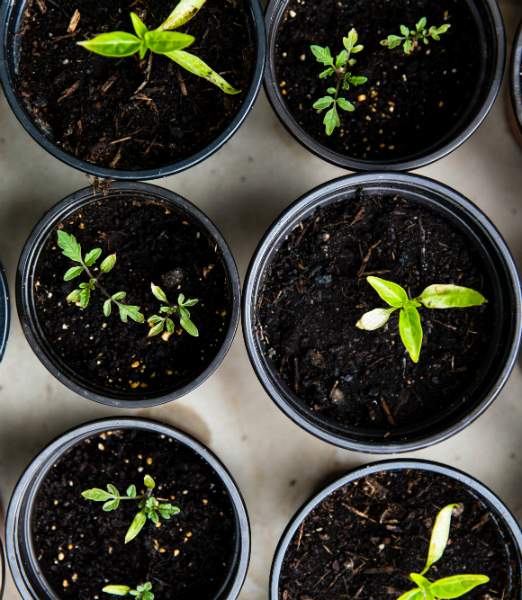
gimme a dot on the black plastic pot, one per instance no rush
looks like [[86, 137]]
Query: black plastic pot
[[516, 76], [27, 309], [489, 19], [478, 489], [20, 552], [5, 313], [507, 302], [11, 13]]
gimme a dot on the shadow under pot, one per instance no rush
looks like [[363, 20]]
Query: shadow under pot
[[130, 116], [363, 105], [516, 83], [5, 312], [364, 535], [309, 285], [62, 543], [129, 296]]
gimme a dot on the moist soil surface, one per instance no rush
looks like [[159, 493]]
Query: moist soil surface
[[315, 290], [80, 548], [409, 103], [130, 114], [362, 541], [154, 243]]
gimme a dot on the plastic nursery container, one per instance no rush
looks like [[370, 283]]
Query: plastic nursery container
[[5, 313], [516, 81], [21, 557], [489, 18], [498, 508], [26, 299], [10, 16], [505, 282]]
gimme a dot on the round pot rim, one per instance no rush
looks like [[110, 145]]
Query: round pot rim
[[5, 311], [391, 465], [400, 164], [516, 67], [258, 30], [278, 229], [27, 263], [67, 439], [2, 570]]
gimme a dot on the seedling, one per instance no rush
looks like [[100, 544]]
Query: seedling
[[142, 592], [340, 70], [437, 296], [164, 322], [447, 587], [150, 507], [81, 296], [410, 39], [163, 41]]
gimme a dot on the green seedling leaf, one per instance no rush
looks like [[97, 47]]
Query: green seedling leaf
[[72, 273], [163, 42], [439, 536], [345, 105], [117, 590], [355, 80], [374, 319], [421, 25], [157, 328], [323, 103], [131, 491], [322, 55], [85, 298], [119, 296], [405, 31], [69, 246], [107, 307], [117, 44], [456, 586], [139, 26], [92, 256], [136, 526], [129, 311], [351, 40], [331, 120], [420, 580], [108, 263], [97, 495], [392, 293], [410, 330], [413, 595], [111, 505], [189, 327], [196, 66], [74, 297], [450, 296], [158, 293], [149, 482], [183, 13], [392, 41], [190, 302]]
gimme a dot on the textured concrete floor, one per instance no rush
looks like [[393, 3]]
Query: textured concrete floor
[[243, 188]]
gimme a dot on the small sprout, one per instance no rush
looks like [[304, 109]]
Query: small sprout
[[163, 41], [142, 592], [410, 39], [149, 506], [159, 323], [340, 68], [81, 296], [437, 296], [447, 587]]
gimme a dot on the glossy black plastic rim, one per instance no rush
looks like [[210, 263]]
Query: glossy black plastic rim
[[5, 312], [27, 313], [490, 498], [274, 12], [516, 70], [20, 557], [285, 399], [7, 76]]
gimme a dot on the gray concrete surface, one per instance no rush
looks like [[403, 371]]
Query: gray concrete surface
[[243, 188]]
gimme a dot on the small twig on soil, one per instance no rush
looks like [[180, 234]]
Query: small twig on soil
[[75, 20], [69, 91], [366, 259]]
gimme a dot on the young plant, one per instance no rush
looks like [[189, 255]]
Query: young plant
[[164, 322], [412, 38], [149, 507], [81, 296], [142, 592], [340, 70], [163, 41], [447, 587], [437, 296]]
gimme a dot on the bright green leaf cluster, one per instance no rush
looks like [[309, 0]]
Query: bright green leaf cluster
[[447, 587], [163, 322], [150, 507], [81, 296], [344, 79], [142, 592], [410, 39], [163, 41], [437, 296]]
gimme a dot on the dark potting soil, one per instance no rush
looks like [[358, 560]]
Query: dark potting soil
[[154, 243], [363, 540], [409, 102], [130, 114], [315, 290], [81, 549]]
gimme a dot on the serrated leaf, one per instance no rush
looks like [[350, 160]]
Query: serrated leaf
[[392, 41], [163, 42], [374, 319], [345, 105], [350, 40], [322, 103], [331, 120], [139, 26], [130, 311], [450, 296], [74, 296], [456, 585], [92, 256], [405, 31], [149, 482], [112, 489], [136, 526], [69, 246], [185, 11], [439, 536], [108, 263], [117, 590], [72, 273], [341, 59], [421, 25], [410, 330], [117, 44], [189, 327], [107, 307], [392, 293], [85, 298], [322, 55], [358, 80], [96, 495], [159, 293]]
